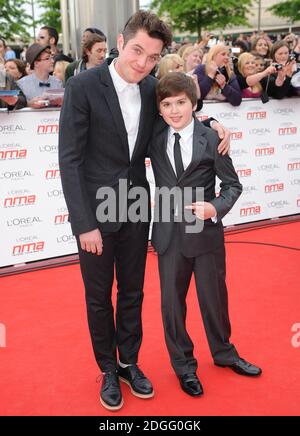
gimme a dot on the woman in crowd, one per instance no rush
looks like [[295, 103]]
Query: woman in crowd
[[260, 64], [261, 46], [8, 83], [170, 63], [61, 63], [16, 68], [174, 63], [192, 57], [216, 79], [93, 53], [60, 70], [251, 82], [286, 65]]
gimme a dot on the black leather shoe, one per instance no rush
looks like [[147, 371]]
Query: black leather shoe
[[110, 395], [243, 367], [140, 386], [191, 384]]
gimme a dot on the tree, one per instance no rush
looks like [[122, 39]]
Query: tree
[[51, 15], [195, 15], [289, 9], [14, 20]]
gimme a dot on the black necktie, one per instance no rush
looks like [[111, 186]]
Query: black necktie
[[44, 84], [177, 156]]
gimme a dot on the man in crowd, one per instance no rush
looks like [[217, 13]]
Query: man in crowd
[[49, 36], [41, 62]]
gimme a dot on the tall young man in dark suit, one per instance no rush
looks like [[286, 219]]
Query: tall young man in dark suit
[[184, 155], [105, 127]]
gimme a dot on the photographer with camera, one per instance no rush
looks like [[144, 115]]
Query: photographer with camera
[[216, 79], [252, 83], [286, 66]]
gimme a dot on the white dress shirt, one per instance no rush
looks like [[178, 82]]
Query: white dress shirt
[[186, 145], [130, 102]]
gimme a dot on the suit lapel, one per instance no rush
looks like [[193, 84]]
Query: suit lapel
[[112, 100]]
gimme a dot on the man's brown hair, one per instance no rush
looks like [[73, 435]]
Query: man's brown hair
[[173, 84], [149, 23]]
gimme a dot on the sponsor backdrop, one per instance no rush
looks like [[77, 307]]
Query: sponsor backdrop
[[265, 149]]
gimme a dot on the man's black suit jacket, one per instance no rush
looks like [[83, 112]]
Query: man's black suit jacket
[[93, 144], [206, 164]]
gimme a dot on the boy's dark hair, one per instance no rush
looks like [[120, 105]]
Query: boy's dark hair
[[90, 42], [173, 84], [52, 32], [151, 24]]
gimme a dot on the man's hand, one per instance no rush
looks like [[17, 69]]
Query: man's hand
[[92, 242], [10, 100], [223, 134], [203, 210]]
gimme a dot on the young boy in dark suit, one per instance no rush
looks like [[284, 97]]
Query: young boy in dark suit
[[184, 155]]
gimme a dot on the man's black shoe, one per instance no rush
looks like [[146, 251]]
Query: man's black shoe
[[191, 384], [140, 386], [110, 395], [243, 367]]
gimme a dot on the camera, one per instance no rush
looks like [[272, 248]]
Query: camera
[[222, 70], [291, 57], [278, 67]]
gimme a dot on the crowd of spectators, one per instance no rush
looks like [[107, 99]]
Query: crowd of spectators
[[223, 69], [253, 66]]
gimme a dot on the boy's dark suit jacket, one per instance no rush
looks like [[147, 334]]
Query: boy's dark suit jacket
[[205, 165]]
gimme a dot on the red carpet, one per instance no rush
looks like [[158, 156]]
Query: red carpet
[[47, 367]]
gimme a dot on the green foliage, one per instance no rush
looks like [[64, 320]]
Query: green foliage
[[51, 15], [289, 9], [195, 15], [14, 20]]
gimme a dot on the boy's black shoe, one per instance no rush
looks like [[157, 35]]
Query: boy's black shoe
[[191, 384], [243, 367]]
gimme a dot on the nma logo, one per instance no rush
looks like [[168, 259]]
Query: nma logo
[[13, 154], [50, 129]]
